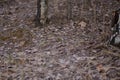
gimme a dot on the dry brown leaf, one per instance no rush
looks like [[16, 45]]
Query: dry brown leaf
[[82, 24]]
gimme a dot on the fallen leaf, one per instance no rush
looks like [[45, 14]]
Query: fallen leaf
[[82, 24], [100, 68], [21, 43]]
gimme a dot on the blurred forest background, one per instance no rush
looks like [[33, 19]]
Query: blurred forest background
[[72, 46]]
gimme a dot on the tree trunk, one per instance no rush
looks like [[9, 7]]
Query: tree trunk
[[41, 16]]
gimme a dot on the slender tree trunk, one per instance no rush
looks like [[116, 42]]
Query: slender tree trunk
[[38, 16], [41, 17], [69, 10], [44, 7]]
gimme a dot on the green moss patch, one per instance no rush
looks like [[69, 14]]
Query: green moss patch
[[19, 37]]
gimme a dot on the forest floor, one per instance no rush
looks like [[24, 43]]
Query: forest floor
[[62, 50]]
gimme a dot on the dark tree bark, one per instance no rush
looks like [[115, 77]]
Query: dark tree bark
[[69, 11], [38, 13], [41, 16]]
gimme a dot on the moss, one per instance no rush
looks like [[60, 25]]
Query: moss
[[4, 38], [19, 33], [16, 36]]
